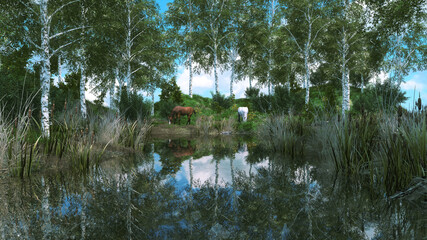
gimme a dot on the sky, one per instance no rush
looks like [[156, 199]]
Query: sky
[[203, 84]]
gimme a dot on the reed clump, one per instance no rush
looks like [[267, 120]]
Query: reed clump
[[403, 151], [351, 142], [204, 125], [284, 133], [17, 154], [133, 134]]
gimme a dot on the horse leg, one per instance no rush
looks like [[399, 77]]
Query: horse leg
[[189, 119], [238, 117], [179, 118]]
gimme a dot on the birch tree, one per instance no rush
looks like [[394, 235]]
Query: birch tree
[[44, 13], [250, 33], [215, 28], [349, 33], [182, 16], [304, 21]]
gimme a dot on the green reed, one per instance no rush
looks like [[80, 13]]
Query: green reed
[[284, 134], [403, 151], [204, 125], [351, 143]]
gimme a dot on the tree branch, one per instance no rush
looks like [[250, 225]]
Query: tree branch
[[293, 38], [60, 8], [315, 36], [29, 8], [31, 41], [70, 30], [62, 46]]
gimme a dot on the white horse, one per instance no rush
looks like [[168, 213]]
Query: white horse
[[243, 112]]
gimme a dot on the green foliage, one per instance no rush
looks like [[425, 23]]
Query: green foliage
[[164, 108], [281, 102], [17, 84], [381, 96], [171, 92], [220, 102], [133, 106], [252, 92]]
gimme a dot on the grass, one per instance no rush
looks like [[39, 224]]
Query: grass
[[403, 151], [284, 133], [79, 142]]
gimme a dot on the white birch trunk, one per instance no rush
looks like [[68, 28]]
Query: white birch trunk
[[128, 48], [307, 76], [190, 68], [82, 89], [45, 68], [47, 224], [345, 73], [152, 102], [190, 56], [83, 66], [215, 68], [59, 68], [345, 91], [363, 84], [270, 50]]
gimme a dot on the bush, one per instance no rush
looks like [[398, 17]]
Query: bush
[[251, 92], [171, 92], [381, 96], [221, 102], [164, 108], [281, 102], [133, 106]]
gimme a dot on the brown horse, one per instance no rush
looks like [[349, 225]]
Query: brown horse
[[179, 111]]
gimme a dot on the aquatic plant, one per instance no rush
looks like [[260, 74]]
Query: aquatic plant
[[403, 151], [109, 129], [133, 134], [227, 124], [351, 143], [284, 134], [204, 124], [17, 154]]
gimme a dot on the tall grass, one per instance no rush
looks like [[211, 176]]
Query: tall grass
[[391, 148], [17, 154], [284, 134], [133, 134], [204, 124], [350, 143], [403, 151]]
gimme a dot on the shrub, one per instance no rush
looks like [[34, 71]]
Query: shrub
[[251, 92], [221, 102], [171, 92], [381, 96], [133, 106]]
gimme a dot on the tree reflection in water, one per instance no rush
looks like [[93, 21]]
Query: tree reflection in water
[[221, 188]]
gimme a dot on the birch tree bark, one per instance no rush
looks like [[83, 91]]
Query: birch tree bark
[[215, 26], [83, 64], [304, 44], [46, 51]]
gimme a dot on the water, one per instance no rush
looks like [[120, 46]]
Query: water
[[215, 188]]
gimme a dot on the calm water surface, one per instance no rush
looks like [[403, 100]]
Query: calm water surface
[[215, 188]]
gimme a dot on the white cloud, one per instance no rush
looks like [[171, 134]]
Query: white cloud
[[414, 83], [204, 83]]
